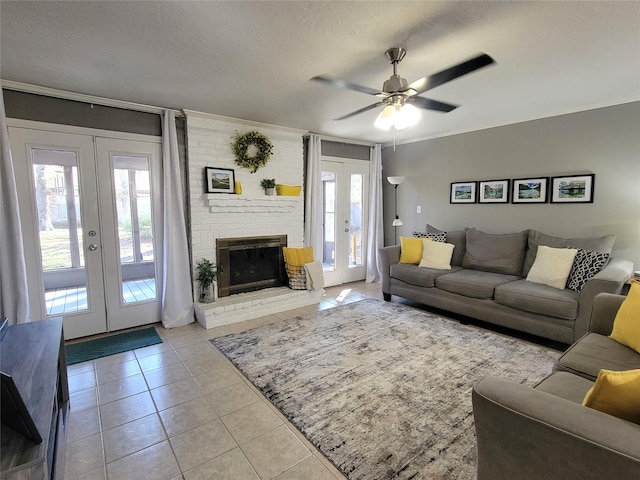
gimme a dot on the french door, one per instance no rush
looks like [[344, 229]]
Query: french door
[[345, 191], [91, 221]]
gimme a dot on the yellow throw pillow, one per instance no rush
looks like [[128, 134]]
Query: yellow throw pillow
[[616, 393], [626, 326], [410, 250], [295, 258], [436, 254]]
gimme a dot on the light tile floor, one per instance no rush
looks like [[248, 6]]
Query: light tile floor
[[181, 410]]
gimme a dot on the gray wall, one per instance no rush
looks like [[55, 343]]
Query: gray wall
[[604, 141]]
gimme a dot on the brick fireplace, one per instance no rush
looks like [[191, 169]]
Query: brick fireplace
[[252, 214]]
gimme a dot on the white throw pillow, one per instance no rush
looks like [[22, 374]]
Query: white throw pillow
[[552, 266], [436, 255]]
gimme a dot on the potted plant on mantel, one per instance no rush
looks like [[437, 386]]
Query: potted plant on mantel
[[269, 185], [206, 274]]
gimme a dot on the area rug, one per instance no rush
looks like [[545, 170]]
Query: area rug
[[105, 346], [381, 389]]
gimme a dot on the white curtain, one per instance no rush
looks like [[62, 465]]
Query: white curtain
[[14, 294], [177, 297], [313, 198], [375, 234]]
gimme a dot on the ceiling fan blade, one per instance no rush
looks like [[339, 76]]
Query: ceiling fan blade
[[451, 73], [362, 110], [338, 82], [429, 104]]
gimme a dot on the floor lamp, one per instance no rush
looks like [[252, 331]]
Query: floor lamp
[[395, 181]]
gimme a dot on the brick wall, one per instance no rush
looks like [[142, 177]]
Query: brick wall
[[251, 213]]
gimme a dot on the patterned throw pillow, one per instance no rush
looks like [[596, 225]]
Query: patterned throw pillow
[[586, 264], [436, 237]]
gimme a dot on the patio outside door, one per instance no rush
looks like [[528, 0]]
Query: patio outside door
[[345, 188], [91, 223]]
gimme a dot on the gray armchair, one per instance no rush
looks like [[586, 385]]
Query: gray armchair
[[544, 432]]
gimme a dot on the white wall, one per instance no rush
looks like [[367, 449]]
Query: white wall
[[603, 141], [250, 214]]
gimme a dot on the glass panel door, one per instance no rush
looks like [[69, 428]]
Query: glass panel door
[[91, 218], [345, 190], [130, 174], [59, 212]]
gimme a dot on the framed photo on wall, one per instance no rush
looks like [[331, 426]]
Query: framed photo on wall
[[493, 191], [220, 180], [530, 190], [572, 189], [463, 192]]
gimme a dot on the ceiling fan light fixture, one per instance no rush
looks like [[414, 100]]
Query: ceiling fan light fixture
[[408, 116], [387, 118]]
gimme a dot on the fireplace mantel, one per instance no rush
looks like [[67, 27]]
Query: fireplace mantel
[[252, 204]]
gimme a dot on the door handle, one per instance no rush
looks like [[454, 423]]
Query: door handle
[[93, 247]]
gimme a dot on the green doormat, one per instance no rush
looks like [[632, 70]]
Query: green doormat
[[105, 346]]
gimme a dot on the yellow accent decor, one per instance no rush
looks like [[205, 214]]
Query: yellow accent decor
[[410, 250], [238, 188], [626, 326], [616, 393], [288, 190], [295, 258]]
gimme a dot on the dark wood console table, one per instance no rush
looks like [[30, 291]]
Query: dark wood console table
[[33, 354]]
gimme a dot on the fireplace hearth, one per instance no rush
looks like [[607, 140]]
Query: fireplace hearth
[[250, 263]]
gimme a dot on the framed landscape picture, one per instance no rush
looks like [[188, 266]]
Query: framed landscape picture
[[572, 189], [493, 191], [463, 192], [530, 190], [220, 180]]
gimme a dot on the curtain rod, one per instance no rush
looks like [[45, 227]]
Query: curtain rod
[[81, 97], [340, 140]]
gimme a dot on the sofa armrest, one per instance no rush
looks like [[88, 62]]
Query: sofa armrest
[[528, 434], [388, 256], [605, 307], [610, 279]]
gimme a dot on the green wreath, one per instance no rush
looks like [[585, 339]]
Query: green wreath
[[252, 150]]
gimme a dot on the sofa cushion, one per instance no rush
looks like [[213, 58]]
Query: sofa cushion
[[458, 238], [436, 255], [616, 393], [539, 298], [595, 352], [414, 275], [473, 283], [500, 253], [599, 244], [552, 266], [566, 385]]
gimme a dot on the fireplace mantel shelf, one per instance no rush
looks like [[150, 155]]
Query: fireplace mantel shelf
[[248, 203]]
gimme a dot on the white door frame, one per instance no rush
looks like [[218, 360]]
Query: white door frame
[[344, 272], [53, 135]]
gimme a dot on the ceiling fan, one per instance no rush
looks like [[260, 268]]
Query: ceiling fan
[[399, 97]]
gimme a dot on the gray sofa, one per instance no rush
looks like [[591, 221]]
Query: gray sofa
[[544, 432], [487, 281]]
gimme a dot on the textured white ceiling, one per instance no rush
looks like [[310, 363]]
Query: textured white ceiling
[[253, 59]]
